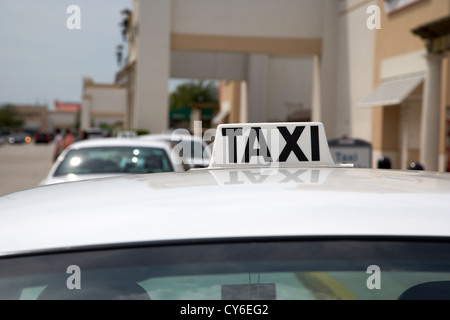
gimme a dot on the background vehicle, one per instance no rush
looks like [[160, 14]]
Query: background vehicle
[[19, 138], [127, 134], [93, 133], [97, 158], [43, 137], [192, 151]]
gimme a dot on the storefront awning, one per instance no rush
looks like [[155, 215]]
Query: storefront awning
[[185, 114], [393, 91]]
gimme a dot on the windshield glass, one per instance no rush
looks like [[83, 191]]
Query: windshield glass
[[114, 160], [282, 270]]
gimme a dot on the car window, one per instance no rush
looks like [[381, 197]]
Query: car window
[[114, 160], [282, 269]]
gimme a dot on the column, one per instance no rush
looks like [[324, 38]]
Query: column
[[85, 112], [404, 119], [431, 108], [258, 73], [243, 115], [316, 112], [151, 104]]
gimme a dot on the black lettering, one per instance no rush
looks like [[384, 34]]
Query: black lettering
[[315, 148], [232, 133], [291, 144], [255, 134]]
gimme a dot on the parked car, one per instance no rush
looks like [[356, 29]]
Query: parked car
[[127, 134], [190, 150], [19, 138], [92, 133], [98, 158], [43, 137]]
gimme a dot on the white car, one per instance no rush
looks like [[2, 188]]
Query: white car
[[272, 217], [100, 158], [191, 151]]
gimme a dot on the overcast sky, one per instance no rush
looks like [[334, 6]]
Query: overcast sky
[[41, 60]]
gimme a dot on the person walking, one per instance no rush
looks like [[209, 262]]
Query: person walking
[[384, 163], [415, 166], [59, 144], [68, 139]]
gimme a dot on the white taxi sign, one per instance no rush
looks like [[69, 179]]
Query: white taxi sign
[[271, 144]]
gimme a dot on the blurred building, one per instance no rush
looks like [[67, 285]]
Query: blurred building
[[103, 104], [298, 60], [64, 116], [38, 118], [35, 117], [280, 59], [411, 97]]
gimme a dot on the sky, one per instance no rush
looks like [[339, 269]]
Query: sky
[[42, 60]]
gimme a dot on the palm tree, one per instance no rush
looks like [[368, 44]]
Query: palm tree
[[119, 54], [125, 24]]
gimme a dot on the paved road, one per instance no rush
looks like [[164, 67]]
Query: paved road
[[23, 166]]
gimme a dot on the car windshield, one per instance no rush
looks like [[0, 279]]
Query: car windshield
[[282, 269], [114, 160]]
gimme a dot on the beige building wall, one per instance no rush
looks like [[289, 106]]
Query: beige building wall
[[249, 18], [399, 52], [310, 56], [295, 55], [222, 40], [34, 116], [62, 119], [278, 55], [102, 103], [290, 86]]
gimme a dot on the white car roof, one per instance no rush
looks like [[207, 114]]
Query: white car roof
[[102, 142], [204, 204], [234, 198]]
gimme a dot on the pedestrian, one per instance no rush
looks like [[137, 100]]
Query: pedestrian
[[83, 135], [59, 144], [415, 166], [68, 139], [384, 163]]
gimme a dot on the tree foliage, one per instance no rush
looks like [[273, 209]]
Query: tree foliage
[[9, 117], [125, 23], [194, 91]]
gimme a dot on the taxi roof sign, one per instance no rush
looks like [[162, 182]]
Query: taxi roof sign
[[271, 145]]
